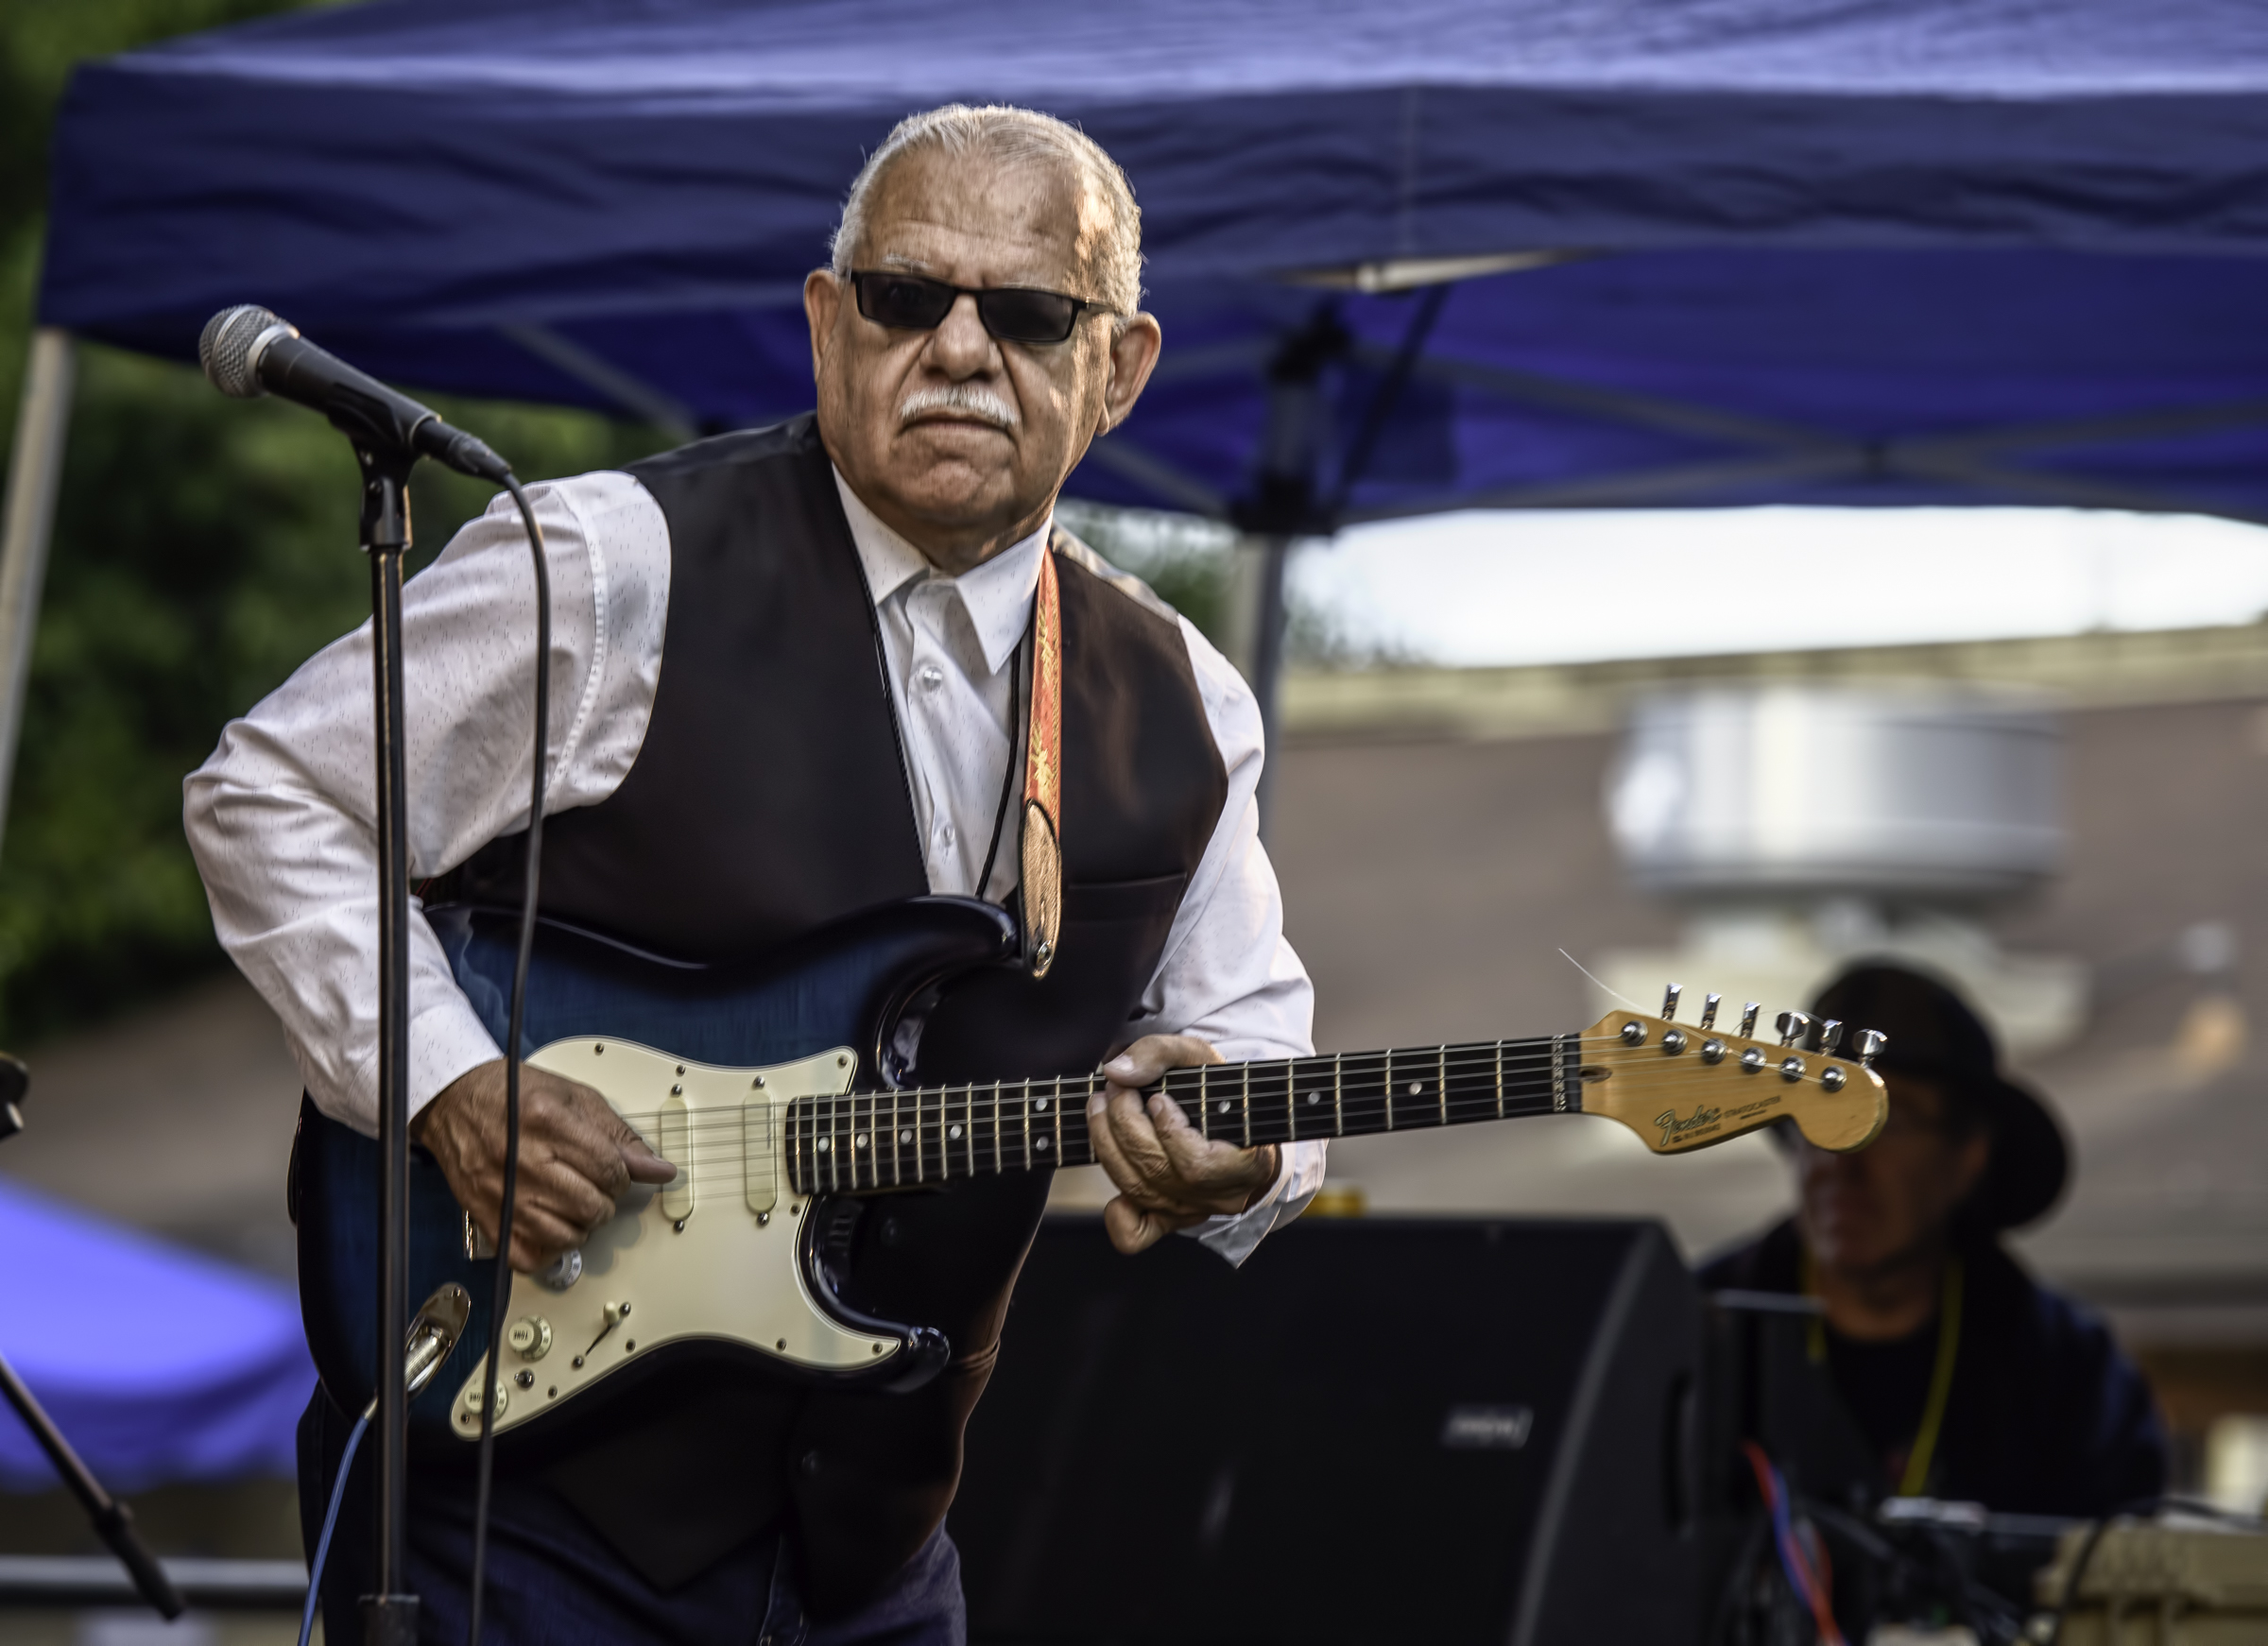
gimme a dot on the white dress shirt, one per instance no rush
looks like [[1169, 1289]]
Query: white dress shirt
[[283, 816]]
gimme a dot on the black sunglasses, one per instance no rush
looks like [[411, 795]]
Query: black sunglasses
[[1013, 314]]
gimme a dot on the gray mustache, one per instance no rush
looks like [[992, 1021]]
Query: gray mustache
[[961, 397]]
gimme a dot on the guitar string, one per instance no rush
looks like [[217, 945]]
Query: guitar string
[[1271, 1082], [939, 1157], [1471, 1059], [1275, 1115]]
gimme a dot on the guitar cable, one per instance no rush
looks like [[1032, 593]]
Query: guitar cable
[[533, 878]]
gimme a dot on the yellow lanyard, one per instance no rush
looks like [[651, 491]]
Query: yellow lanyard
[[1941, 1379]]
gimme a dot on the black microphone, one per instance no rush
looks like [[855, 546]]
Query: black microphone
[[249, 351]]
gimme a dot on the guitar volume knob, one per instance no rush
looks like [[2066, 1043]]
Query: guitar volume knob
[[529, 1337], [564, 1272]]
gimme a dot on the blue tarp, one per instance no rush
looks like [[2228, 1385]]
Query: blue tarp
[[158, 1364], [1847, 250]]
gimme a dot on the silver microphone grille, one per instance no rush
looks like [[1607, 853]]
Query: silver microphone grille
[[225, 349]]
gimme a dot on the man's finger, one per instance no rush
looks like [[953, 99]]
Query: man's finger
[[1189, 1154], [1146, 1062], [638, 1155], [1127, 1146], [1132, 1228]]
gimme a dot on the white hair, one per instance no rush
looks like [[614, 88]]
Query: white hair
[[1022, 136]]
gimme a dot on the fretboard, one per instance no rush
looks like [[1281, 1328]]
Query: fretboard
[[867, 1141]]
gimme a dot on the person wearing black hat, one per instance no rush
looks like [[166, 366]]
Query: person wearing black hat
[[1936, 1366]]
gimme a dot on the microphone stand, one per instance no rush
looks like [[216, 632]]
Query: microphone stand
[[390, 1618], [112, 1521]]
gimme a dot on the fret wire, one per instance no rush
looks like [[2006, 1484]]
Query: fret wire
[[1338, 1096], [1247, 1103], [1389, 1086], [1499, 1080], [1442, 1059], [997, 1166], [969, 1128]]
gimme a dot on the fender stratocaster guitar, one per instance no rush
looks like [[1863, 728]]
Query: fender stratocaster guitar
[[775, 1089]]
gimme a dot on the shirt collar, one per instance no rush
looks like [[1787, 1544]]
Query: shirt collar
[[997, 595]]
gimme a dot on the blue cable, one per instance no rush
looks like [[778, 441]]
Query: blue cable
[[322, 1544]]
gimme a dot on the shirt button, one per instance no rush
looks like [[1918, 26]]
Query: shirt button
[[945, 834], [930, 675]]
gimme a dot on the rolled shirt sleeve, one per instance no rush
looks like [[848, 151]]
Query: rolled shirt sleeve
[[1228, 977], [282, 818]]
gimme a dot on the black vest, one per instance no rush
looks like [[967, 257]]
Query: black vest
[[769, 797]]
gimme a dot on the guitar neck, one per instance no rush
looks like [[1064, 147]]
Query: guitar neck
[[869, 1140]]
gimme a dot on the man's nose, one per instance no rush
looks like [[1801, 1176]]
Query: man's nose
[[961, 348]]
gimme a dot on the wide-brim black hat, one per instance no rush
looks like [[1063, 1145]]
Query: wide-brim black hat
[[1935, 1036]]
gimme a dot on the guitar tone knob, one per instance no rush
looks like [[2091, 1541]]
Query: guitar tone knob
[[529, 1337]]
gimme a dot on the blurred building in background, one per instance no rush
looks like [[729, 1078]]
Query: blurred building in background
[[1444, 835]]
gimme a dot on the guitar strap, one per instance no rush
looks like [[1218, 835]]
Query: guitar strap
[[1043, 888], [1041, 834]]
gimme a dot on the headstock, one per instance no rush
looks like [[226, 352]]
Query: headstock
[[1683, 1089]]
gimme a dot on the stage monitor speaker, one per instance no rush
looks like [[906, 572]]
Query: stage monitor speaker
[[1454, 1432]]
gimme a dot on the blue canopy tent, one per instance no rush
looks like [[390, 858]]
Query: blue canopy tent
[[158, 1364], [1434, 254]]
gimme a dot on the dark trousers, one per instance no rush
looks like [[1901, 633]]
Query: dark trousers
[[553, 1581]]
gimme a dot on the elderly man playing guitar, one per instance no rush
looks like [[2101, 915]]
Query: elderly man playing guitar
[[798, 674]]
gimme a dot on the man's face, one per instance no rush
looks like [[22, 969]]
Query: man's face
[[1886, 1203], [960, 442]]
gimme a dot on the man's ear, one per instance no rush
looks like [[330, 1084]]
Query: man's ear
[[822, 303], [1133, 357], [1972, 1158]]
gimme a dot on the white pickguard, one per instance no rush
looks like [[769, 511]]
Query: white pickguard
[[712, 1255]]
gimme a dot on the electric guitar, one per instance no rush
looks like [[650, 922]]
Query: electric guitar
[[777, 1092]]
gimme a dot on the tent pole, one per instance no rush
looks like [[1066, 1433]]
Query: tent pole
[[34, 468], [1264, 648]]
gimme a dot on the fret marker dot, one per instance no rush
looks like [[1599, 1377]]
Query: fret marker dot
[[1042, 1106], [822, 1145], [1043, 1145], [859, 1142], [1417, 1087], [1314, 1098], [953, 1131], [1224, 1109], [906, 1137]]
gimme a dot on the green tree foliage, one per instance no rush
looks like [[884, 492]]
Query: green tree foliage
[[202, 549]]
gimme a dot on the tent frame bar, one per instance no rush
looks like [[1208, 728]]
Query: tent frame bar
[[35, 468]]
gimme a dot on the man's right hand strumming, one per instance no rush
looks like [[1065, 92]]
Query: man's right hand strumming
[[577, 1156]]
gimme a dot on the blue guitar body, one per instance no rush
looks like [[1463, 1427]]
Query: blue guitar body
[[730, 1261]]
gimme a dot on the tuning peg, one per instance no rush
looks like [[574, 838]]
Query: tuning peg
[[1830, 1036], [1670, 997], [1869, 1043], [1709, 1011], [1748, 1019], [1793, 1027]]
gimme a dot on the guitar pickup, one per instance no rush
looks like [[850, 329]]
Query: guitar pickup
[[673, 1131], [758, 1158]]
